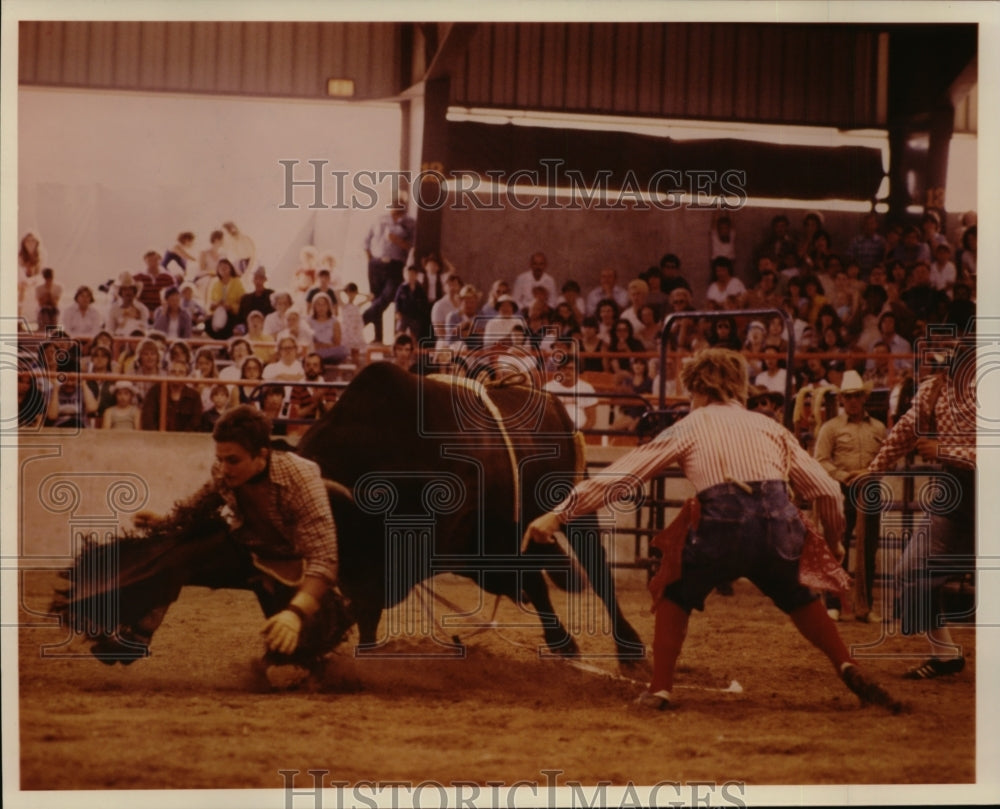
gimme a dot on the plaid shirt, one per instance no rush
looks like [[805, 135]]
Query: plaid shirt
[[297, 511], [954, 425], [867, 250]]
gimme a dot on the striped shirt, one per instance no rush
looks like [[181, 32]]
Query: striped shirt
[[953, 425], [714, 444]]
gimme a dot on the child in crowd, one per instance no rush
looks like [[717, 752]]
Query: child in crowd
[[272, 404], [123, 414], [219, 397], [192, 307], [252, 369], [180, 254], [351, 325], [205, 367]]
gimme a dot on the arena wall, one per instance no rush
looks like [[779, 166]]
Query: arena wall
[[485, 245], [94, 481]]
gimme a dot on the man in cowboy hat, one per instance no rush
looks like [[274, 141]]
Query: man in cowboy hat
[[845, 445], [127, 312], [769, 402], [465, 324]]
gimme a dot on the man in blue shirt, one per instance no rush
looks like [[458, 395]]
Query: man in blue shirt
[[387, 245]]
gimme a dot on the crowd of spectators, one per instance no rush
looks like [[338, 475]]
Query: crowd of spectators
[[855, 306]]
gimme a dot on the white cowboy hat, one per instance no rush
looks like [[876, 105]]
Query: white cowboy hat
[[853, 383]]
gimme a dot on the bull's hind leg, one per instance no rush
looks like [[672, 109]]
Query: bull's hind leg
[[585, 537], [529, 587], [557, 638]]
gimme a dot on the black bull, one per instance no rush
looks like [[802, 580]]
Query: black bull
[[430, 477]]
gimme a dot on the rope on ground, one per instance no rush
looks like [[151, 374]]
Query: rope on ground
[[733, 688], [424, 587]]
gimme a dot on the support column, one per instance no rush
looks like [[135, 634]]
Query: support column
[[433, 158], [941, 127], [899, 196]]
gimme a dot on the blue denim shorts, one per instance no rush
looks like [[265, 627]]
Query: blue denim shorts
[[757, 535]]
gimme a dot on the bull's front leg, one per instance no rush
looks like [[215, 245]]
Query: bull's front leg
[[368, 617]]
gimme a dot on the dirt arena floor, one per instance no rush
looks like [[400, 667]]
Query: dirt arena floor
[[197, 714]]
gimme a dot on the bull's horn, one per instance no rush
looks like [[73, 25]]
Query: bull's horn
[[338, 489]]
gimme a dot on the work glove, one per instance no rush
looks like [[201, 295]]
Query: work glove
[[281, 632]]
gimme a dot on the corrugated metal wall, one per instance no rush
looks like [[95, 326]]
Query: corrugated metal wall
[[816, 75], [232, 58]]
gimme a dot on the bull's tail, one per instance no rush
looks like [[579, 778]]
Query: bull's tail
[[566, 572]]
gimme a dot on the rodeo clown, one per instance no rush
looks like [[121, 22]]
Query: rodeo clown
[[275, 536], [739, 463]]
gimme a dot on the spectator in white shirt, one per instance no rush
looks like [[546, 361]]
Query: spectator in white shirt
[[81, 320], [942, 271], [525, 283], [726, 291], [578, 397], [773, 376], [443, 308], [638, 290], [607, 289]]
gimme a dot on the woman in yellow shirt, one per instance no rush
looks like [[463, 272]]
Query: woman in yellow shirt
[[224, 301]]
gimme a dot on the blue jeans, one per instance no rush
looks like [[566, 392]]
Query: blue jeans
[[757, 535], [384, 278], [952, 531], [873, 520]]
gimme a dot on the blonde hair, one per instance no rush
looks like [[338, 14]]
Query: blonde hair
[[815, 409], [718, 373]]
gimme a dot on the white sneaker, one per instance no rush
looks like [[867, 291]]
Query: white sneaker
[[834, 614], [654, 701]]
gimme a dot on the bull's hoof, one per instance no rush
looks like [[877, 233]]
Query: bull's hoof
[[113, 650], [564, 646]]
